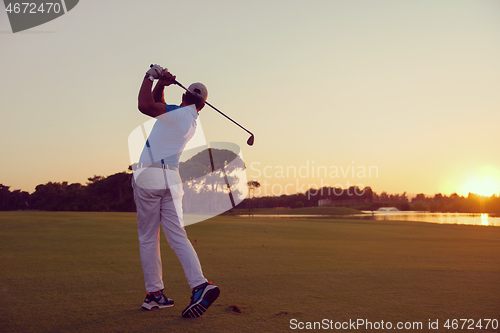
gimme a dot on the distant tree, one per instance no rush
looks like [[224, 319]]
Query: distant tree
[[115, 192], [252, 186], [19, 200], [4, 197], [94, 179], [405, 206], [368, 193], [419, 197]]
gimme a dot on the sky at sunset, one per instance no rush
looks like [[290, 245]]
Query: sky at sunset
[[402, 96]]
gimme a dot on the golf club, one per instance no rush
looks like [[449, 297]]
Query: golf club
[[250, 139]]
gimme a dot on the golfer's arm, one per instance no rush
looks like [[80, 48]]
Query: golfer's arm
[[147, 104], [158, 95]]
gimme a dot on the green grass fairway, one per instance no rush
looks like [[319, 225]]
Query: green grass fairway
[[80, 272]]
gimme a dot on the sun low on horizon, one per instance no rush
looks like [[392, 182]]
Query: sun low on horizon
[[484, 185]]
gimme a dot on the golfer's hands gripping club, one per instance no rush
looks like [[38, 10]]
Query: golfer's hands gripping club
[[155, 71], [165, 78]]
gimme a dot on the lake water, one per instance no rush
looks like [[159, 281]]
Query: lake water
[[443, 218]]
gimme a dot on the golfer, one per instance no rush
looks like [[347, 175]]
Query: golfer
[[158, 191]]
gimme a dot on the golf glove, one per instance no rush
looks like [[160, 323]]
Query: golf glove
[[155, 71]]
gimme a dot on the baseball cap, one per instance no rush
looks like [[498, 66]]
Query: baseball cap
[[199, 90]]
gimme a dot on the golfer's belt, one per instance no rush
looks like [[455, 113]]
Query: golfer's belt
[[136, 166]]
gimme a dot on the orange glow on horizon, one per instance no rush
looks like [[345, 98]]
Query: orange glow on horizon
[[485, 186]]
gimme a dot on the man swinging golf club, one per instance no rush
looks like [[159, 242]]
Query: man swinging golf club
[[158, 191]]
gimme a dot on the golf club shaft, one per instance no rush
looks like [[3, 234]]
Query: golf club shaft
[[213, 107]]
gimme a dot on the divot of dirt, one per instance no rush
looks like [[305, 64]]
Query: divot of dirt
[[283, 313], [235, 308]]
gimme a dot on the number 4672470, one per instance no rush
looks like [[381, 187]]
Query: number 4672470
[[31, 8]]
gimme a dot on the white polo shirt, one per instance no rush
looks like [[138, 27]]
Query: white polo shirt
[[169, 135]]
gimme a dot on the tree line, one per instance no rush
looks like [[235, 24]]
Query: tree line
[[114, 193], [367, 199]]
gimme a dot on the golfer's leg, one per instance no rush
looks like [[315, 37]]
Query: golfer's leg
[[173, 226], [148, 224]]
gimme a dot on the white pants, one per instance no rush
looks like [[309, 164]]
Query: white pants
[[158, 203]]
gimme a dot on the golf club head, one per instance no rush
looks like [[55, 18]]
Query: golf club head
[[250, 140]]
